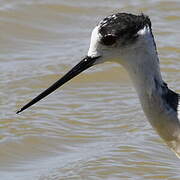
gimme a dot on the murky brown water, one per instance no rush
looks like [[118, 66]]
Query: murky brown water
[[93, 128]]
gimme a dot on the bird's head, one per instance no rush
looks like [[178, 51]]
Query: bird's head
[[120, 37]]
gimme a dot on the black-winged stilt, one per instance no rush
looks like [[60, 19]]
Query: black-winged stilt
[[128, 39]]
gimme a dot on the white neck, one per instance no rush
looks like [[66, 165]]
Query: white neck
[[145, 73], [143, 68], [142, 63]]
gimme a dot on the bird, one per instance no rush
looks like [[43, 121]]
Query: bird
[[128, 39]]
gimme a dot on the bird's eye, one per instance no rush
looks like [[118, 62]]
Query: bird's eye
[[108, 40]]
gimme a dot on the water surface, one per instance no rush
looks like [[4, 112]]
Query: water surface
[[93, 128]]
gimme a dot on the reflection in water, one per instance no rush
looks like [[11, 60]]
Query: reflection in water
[[93, 128]]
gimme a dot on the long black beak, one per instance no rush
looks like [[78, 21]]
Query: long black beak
[[81, 66]]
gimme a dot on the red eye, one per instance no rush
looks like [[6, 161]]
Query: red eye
[[108, 40]]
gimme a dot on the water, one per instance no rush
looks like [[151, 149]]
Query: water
[[93, 128]]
